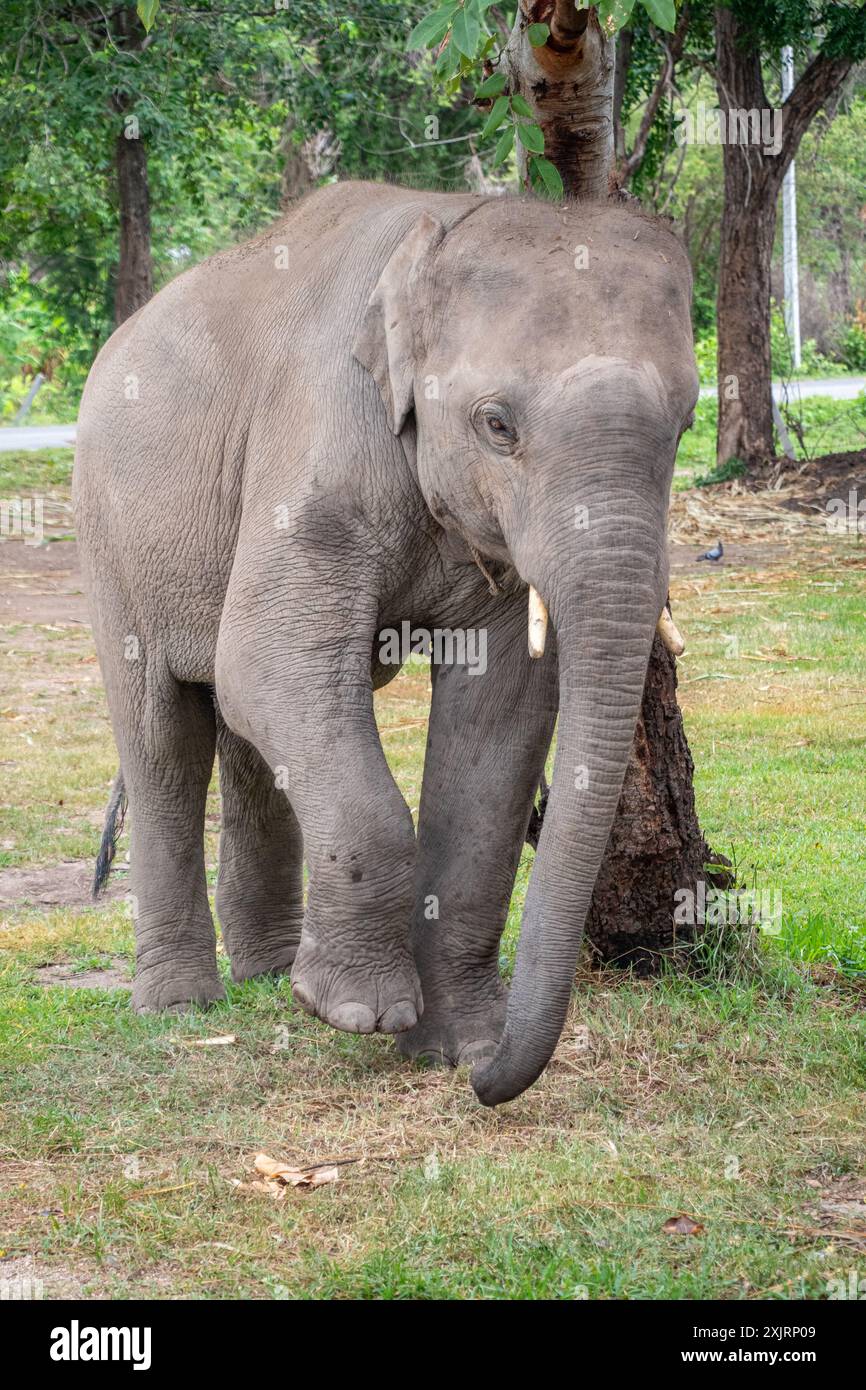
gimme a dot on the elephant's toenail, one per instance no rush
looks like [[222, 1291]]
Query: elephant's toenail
[[433, 1058], [476, 1052], [398, 1018], [353, 1018]]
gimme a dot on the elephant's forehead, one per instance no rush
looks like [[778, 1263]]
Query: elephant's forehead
[[605, 249], [551, 298], [554, 333], [593, 375]]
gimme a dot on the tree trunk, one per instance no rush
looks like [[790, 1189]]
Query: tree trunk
[[745, 426], [134, 285], [656, 846], [297, 178], [135, 266], [569, 83], [753, 180]]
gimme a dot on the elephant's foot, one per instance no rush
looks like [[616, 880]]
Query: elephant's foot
[[259, 905], [360, 996], [446, 1037], [274, 960], [174, 988], [255, 950]]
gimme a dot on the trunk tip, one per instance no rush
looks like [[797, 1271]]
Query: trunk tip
[[495, 1083], [484, 1084]]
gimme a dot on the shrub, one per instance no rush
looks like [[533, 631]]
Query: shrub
[[852, 347]]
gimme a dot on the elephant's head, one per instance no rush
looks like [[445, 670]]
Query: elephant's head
[[547, 355]]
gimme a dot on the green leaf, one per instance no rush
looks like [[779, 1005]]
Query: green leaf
[[549, 175], [147, 11], [466, 32], [614, 14], [492, 86], [504, 146], [662, 13], [538, 34], [448, 61], [496, 117], [521, 106], [431, 29], [531, 138]]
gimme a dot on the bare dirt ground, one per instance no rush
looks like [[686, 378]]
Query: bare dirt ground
[[59, 885], [41, 588], [41, 584], [113, 977]]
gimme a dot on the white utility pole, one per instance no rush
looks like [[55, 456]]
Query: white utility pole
[[789, 222]]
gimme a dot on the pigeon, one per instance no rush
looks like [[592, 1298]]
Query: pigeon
[[716, 553]]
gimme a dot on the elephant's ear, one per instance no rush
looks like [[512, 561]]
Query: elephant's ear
[[387, 340]]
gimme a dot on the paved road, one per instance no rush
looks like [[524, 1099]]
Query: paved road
[[841, 388], [838, 388], [36, 437]]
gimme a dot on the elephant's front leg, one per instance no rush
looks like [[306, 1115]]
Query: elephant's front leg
[[293, 678], [488, 738]]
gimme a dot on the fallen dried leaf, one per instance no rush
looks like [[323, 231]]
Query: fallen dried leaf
[[222, 1041], [682, 1225], [315, 1176], [279, 1177], [269, 1189]]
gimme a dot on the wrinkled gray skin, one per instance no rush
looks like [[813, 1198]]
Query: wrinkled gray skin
[[275, 463]]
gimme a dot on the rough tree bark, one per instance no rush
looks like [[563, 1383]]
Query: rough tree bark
[[297, 178], [134, 284], [753, 180], [656, 846]]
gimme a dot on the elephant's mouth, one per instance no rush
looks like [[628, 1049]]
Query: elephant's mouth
[[538, 621]]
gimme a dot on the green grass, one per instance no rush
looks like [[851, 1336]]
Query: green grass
[[774, 689], [736, 1093], [35, 471], [122, 1143]]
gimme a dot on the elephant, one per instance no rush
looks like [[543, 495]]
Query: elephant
[[453, 409]]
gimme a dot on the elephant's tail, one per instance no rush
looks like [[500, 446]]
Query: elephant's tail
[[111, 831]]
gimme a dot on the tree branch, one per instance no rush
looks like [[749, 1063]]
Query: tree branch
[[821, 79], [673, 53], [624, 41]]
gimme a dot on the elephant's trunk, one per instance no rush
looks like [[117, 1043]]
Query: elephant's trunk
[[604, 606]]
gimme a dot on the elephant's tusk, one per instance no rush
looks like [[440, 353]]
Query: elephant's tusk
[[670, 633], [537, 623]]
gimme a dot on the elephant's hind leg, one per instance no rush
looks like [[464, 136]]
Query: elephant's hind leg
[[167, 759], [259, 898]]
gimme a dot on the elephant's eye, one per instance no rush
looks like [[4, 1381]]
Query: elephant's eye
[[493, 421]]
